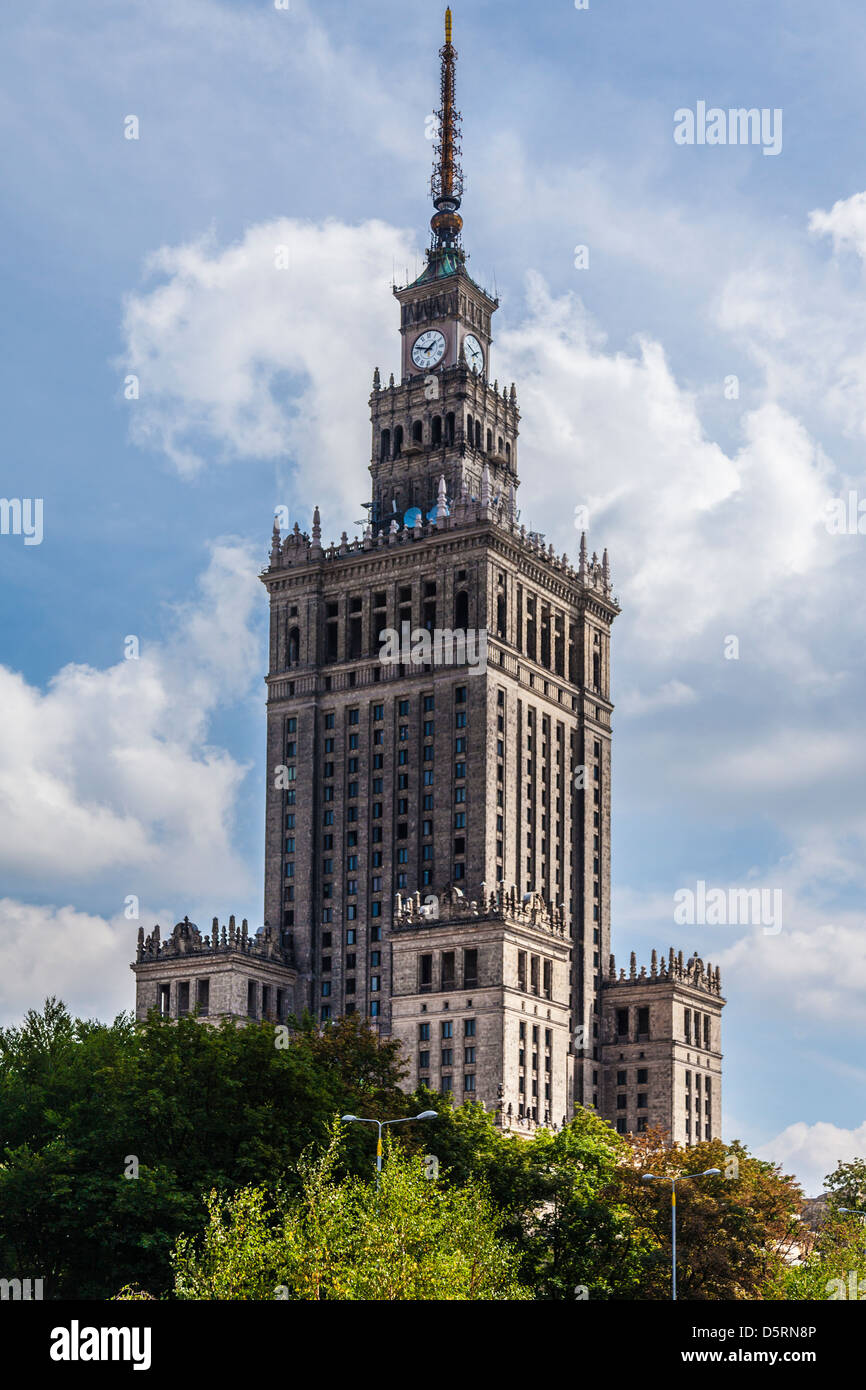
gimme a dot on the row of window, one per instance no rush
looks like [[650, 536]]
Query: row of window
[[446, 1029], [642, 1077], [446, 1083], [690, 1016], [447, 972], [375, 1010], [539, 981], [177, 1001], [446, 1058], [442, 432], [622, 1101], [640, 1128], [642, 1024]]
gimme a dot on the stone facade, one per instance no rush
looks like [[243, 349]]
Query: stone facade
[[228, 974], [437, 816], [661, 1057], [481, 1002]]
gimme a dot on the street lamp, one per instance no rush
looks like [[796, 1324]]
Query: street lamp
[[654, 1177], [852, 1211], [358, 1119]]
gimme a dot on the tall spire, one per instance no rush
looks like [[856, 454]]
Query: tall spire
[[446, 185]]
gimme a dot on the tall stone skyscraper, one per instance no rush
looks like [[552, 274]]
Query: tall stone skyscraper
[[439, 763]]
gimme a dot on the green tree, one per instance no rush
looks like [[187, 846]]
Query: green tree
[[732, 1231], [339, 1238], [835, 1266], [556, 1193], [196, 1107]]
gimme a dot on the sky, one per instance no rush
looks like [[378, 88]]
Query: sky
[[694, 378]]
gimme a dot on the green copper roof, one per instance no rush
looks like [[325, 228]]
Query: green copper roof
[[440, 263]]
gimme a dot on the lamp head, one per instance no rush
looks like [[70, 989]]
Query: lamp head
[[712, 1173], [427, 1115], [347, 1118]]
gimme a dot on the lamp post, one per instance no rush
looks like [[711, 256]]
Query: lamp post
[[682, 1177], [359, 1120]]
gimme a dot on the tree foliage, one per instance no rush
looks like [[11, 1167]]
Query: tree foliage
[[341, 1238], [195, 1106], [111, 1134]]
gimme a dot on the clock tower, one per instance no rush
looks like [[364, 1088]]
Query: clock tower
[[446, 417], [438, 820]]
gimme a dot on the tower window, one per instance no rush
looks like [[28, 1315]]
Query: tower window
[[385, 445], [470, 968], [436, 431], [461, 610], [447, 970]]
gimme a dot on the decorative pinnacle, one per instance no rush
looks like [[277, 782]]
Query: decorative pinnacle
[[441, 501], [446, 185]]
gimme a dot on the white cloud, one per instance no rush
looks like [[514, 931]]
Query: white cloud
[[672, 695], [112, 770], [812, 1151], [845, 223], [239, 358], [691, 531], [81, 958]]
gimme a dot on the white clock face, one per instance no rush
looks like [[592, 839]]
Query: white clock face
[[473, 353], [429, 348]]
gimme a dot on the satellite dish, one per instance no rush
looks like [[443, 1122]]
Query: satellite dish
[[412, 517]]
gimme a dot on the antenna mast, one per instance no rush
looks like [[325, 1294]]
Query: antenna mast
[[446, 185]]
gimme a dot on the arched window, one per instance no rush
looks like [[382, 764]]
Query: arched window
[[398, 441], [470, 434], [490, 441], [478, 434], [385, 449], [418, 432], [499, 449], [508, 452], [461, 610], [596, 671], [294, 646], [449, 427], [436, 432]]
